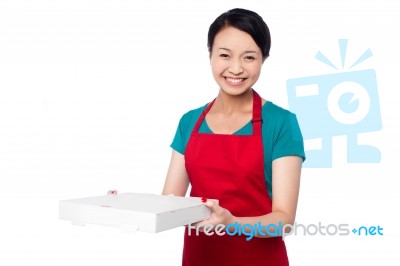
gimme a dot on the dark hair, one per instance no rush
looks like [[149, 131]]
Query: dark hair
[[244, 20]]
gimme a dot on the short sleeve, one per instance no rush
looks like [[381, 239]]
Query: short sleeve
[[185, 128], [289, 140], [178, 141]]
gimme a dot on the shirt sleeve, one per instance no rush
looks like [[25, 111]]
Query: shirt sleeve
[[185, 128], [289, 141], [178, 143]]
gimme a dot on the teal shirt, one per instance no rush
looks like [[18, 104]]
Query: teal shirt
[[280, 132]]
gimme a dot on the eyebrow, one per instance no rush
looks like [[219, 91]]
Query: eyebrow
[[249, 51]]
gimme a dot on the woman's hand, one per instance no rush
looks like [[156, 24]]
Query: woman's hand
[[112, 192], [219, 215]]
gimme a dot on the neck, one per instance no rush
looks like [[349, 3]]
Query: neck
[[233, 103]]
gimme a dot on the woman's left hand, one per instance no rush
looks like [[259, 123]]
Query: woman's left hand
[[219, 215]]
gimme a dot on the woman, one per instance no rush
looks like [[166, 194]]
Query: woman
[[240, 149]]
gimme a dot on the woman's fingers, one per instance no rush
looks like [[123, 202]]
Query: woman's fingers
[[211, 204], [112, 192], [214, 206]]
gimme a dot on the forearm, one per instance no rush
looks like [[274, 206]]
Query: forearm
[[177, 181]]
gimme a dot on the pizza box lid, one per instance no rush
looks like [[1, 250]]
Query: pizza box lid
[[143, 212]]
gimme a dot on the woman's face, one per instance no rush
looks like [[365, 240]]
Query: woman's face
[[236, 61]]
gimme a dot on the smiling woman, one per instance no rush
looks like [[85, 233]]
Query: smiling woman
[[241, 149], [236, 61]]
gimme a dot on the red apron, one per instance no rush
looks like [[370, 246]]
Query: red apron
[[230, 168]]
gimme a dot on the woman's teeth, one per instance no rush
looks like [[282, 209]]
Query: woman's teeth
[[232, 80]]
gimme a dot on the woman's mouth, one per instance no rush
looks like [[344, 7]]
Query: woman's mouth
[[234, 81]]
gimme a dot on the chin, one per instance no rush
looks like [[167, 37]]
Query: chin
[[235, 91]]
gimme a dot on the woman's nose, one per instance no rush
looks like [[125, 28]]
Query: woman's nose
[[236, 67]]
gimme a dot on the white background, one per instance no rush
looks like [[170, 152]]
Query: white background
[[91, 92]]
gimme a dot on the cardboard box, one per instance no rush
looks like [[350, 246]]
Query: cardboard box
[[135, 211]]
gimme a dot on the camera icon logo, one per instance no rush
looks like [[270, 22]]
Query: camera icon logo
[[345, 103]]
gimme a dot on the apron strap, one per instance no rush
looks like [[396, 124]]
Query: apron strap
[[256, 120], [257, 116], [202, 117]]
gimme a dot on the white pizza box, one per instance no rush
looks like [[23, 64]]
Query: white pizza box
[[135, 211]]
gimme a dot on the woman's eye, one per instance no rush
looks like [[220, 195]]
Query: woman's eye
[[223, 55], [249, 58]]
